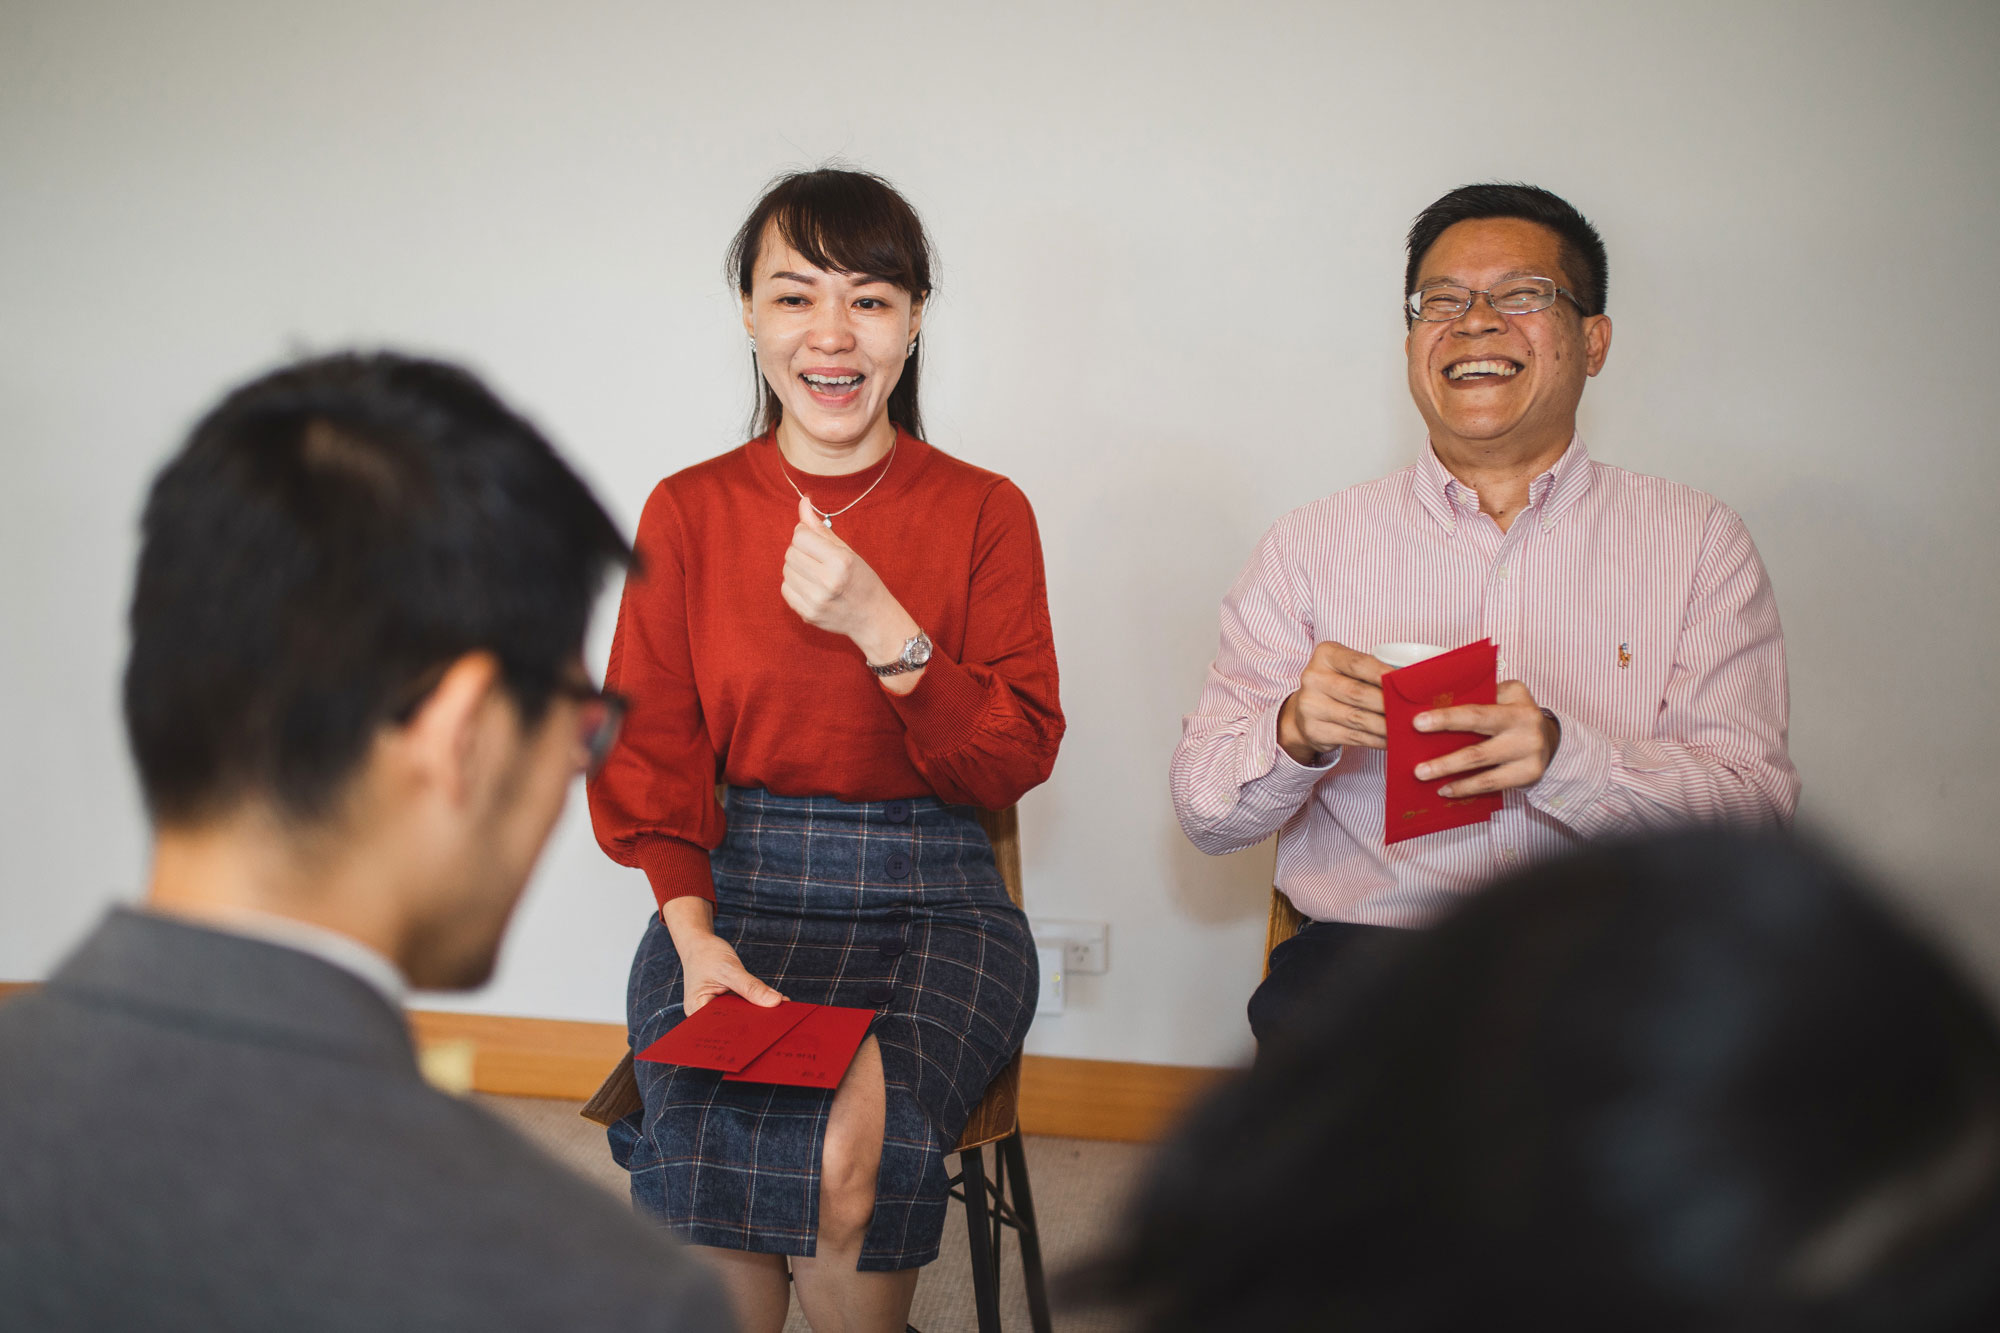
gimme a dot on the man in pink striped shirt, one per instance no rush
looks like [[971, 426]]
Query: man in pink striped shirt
[[1642, 666]]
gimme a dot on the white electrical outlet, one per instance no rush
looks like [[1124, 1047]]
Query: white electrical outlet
[[1051, 999], [1084, 943]]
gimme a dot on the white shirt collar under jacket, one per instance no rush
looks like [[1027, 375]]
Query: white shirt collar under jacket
[[329, 946]]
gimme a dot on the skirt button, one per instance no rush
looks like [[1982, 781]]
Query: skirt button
[[898, 865], [898, 812]]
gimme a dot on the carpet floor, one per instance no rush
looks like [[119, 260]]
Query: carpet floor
[[1078, 1187]]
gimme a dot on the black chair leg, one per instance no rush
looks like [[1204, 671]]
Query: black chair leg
[[985, 1277], [1000, 1219], [1015, 1155]]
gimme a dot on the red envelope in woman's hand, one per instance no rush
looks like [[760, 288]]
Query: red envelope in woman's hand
[[1465, 675], [727, 1033], [812, 1055]]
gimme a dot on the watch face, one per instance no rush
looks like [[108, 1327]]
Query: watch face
[[918, 651]]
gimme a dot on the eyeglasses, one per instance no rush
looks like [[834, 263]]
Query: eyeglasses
[[600, 719], [1516, 296]]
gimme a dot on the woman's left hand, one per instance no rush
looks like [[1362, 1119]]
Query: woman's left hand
[[834, 589]]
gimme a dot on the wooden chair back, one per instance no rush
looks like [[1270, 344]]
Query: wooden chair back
[[1286, 921], [997, 1116], [1003, 830]]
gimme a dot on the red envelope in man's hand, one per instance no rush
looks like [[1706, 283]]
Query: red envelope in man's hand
[[727, 1033], [814, 1054], [1462, 676]]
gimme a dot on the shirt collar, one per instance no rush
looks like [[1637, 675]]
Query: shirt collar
[[1562, 485], [329, 946], [1437, 490], [1445, 497]]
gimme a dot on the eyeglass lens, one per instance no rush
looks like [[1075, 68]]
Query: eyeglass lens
[[1522, 296]]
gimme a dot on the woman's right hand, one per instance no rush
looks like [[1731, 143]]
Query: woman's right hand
[[709, 966]]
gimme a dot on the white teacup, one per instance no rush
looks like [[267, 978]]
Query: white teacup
[[1403, 654]]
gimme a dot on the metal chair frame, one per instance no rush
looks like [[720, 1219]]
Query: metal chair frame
[[993, 1204]]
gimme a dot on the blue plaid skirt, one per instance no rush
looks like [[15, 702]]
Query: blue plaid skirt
[[894, 906]]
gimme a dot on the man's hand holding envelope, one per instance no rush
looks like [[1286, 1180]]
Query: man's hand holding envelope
[[1340, 702], [1520, 741]]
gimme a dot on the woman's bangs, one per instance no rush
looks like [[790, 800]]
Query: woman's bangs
[[847, 236]]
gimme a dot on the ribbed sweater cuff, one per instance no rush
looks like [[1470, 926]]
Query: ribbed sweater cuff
[[943, 711], [675, 869]]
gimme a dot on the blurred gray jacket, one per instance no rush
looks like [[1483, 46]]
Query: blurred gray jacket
[[203, 1131]]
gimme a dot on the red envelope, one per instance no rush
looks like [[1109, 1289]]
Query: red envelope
[[727, 1033], [814, 1054], [1462, 676]]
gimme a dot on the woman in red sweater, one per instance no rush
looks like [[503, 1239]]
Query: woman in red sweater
[[850, 629]]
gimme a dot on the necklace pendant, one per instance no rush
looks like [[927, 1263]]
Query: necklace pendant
[[827, 519]]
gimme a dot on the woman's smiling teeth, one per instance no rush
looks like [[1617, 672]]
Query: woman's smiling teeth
[[1473, 370], [832, 383]]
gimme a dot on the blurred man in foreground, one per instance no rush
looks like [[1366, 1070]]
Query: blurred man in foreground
[[1696, 1084], [356, 699]]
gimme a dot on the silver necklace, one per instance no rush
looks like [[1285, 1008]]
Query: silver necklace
[[826, 519]]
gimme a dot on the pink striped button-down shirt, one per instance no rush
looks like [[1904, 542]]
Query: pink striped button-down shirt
[[1634, 609]]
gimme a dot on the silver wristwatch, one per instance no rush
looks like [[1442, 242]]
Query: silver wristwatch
[[916, 652]]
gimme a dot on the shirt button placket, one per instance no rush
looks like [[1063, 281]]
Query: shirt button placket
[[1490, 604], [1503, 593]]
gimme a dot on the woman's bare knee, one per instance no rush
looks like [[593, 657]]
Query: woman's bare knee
[[847, 1184], [844, 1211], [852, 1154]]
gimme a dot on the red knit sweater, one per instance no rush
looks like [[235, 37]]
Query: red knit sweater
[[726, 682]]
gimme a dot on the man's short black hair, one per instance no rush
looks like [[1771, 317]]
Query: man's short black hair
[[1582, 251], [331, 533]]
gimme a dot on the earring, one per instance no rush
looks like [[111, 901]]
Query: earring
[[911, 350], [753, 342]]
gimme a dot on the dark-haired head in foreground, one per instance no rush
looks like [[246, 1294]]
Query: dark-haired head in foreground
[[357, 628], [1701, 1083], [357, 699]]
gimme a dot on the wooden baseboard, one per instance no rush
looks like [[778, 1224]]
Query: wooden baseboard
[[527, 1057], [1108, 1099], [546, 1057], [1077, 1099]]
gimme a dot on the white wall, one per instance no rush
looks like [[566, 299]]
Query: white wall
[[1170, 238]]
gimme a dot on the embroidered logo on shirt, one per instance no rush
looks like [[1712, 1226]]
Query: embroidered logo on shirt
[[1624, 656]]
